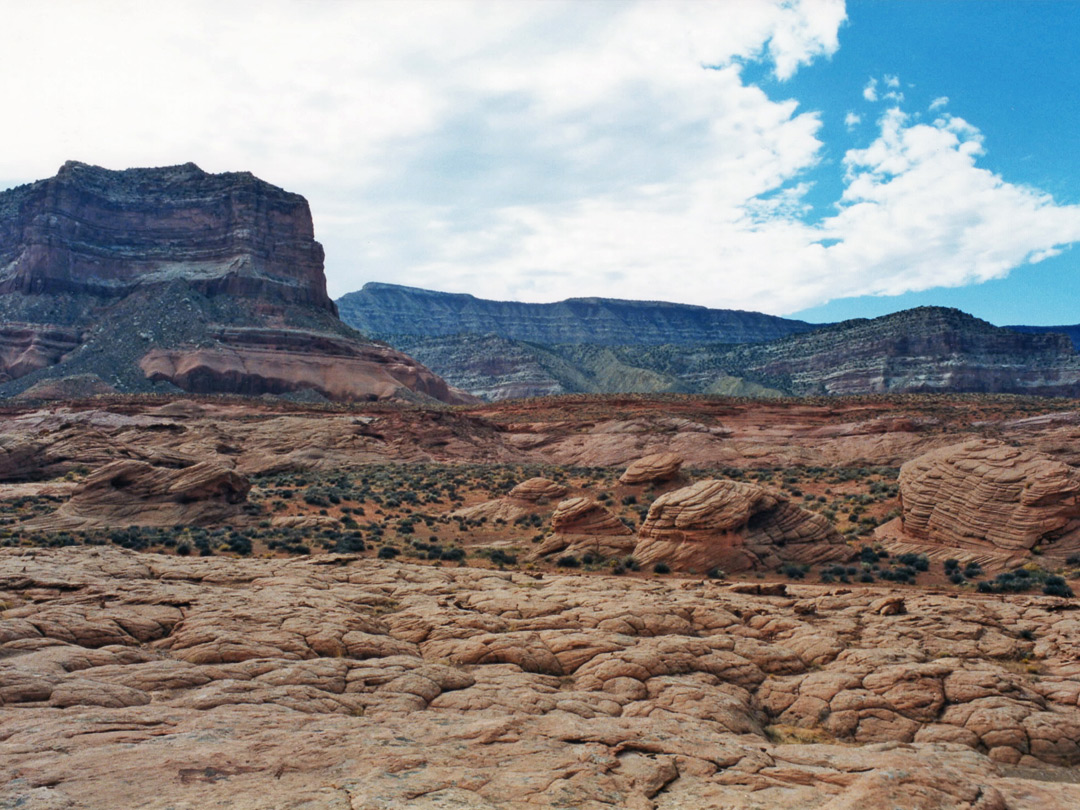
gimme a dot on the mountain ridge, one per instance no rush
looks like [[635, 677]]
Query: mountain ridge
[[915, 350], [379, 309]]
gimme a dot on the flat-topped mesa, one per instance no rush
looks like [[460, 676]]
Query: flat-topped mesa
[[102, 232]]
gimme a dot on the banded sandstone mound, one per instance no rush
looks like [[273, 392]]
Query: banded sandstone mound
[[736, 527], [657, 467], [985, 495], [582, 525], [143, 276], [154, 682], [134, 493]]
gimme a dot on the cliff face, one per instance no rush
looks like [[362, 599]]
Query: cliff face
[[388, 309], [91, 230], [167, 278], [917, 350]]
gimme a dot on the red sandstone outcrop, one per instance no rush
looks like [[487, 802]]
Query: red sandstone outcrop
[[210, 282], [254, 361], [91, 230], [537, 489], [531, 496], [985, 495], [581, 525], [657, 467], [26, 347], [135, 493], [733, 526], [585, 516], [138, 680]]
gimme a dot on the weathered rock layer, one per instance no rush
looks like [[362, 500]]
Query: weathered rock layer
[[158, 279], [733, 526], [986, 495], [147, 681]]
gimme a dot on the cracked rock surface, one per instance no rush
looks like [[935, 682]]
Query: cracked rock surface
[[138, 680]]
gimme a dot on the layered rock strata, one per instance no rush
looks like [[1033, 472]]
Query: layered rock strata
[[537, 489], [135, 493], [582, 525], [173, 278], [656, 467], [985, 495], [91, 230], [733, 526]]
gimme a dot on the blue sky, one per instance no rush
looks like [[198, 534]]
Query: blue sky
[[813, 158], [1007, 67]]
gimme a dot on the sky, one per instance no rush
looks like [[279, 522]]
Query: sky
[[809, 158]]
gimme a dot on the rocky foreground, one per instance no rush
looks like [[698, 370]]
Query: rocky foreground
[[140, 680]]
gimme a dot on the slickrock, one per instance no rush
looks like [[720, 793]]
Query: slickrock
[[985, 495], [139, 680], [657, 467], [535, 489], [135, 493], [733, 526]]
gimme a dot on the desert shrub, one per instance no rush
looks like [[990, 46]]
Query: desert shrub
[[388, 553], [501, 557], [661, 568], [568, 561], [715, 573], [1056, 586]]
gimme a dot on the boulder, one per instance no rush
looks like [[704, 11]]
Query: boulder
[[733, 526], [135, 493], [985, 495], [657, 467]]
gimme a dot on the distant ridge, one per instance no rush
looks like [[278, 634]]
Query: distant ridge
[[499, 350], [1072, 331], [383, 310]]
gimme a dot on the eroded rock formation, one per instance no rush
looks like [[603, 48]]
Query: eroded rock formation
[[135, 493], [132, 680], [733, 526], [91, 230], [656, 467], [582, 525], [985, 495], [536, 489], [167, 278]]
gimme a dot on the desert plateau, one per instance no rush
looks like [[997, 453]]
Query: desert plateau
[[591, 601], [486, 405]]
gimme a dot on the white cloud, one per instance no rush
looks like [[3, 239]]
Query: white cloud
[[526, 150], [938, 103], [852, 120], [891, 81]]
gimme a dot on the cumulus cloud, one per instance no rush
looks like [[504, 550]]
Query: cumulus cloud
[[852, 120], [533, 151], [938, 103]]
